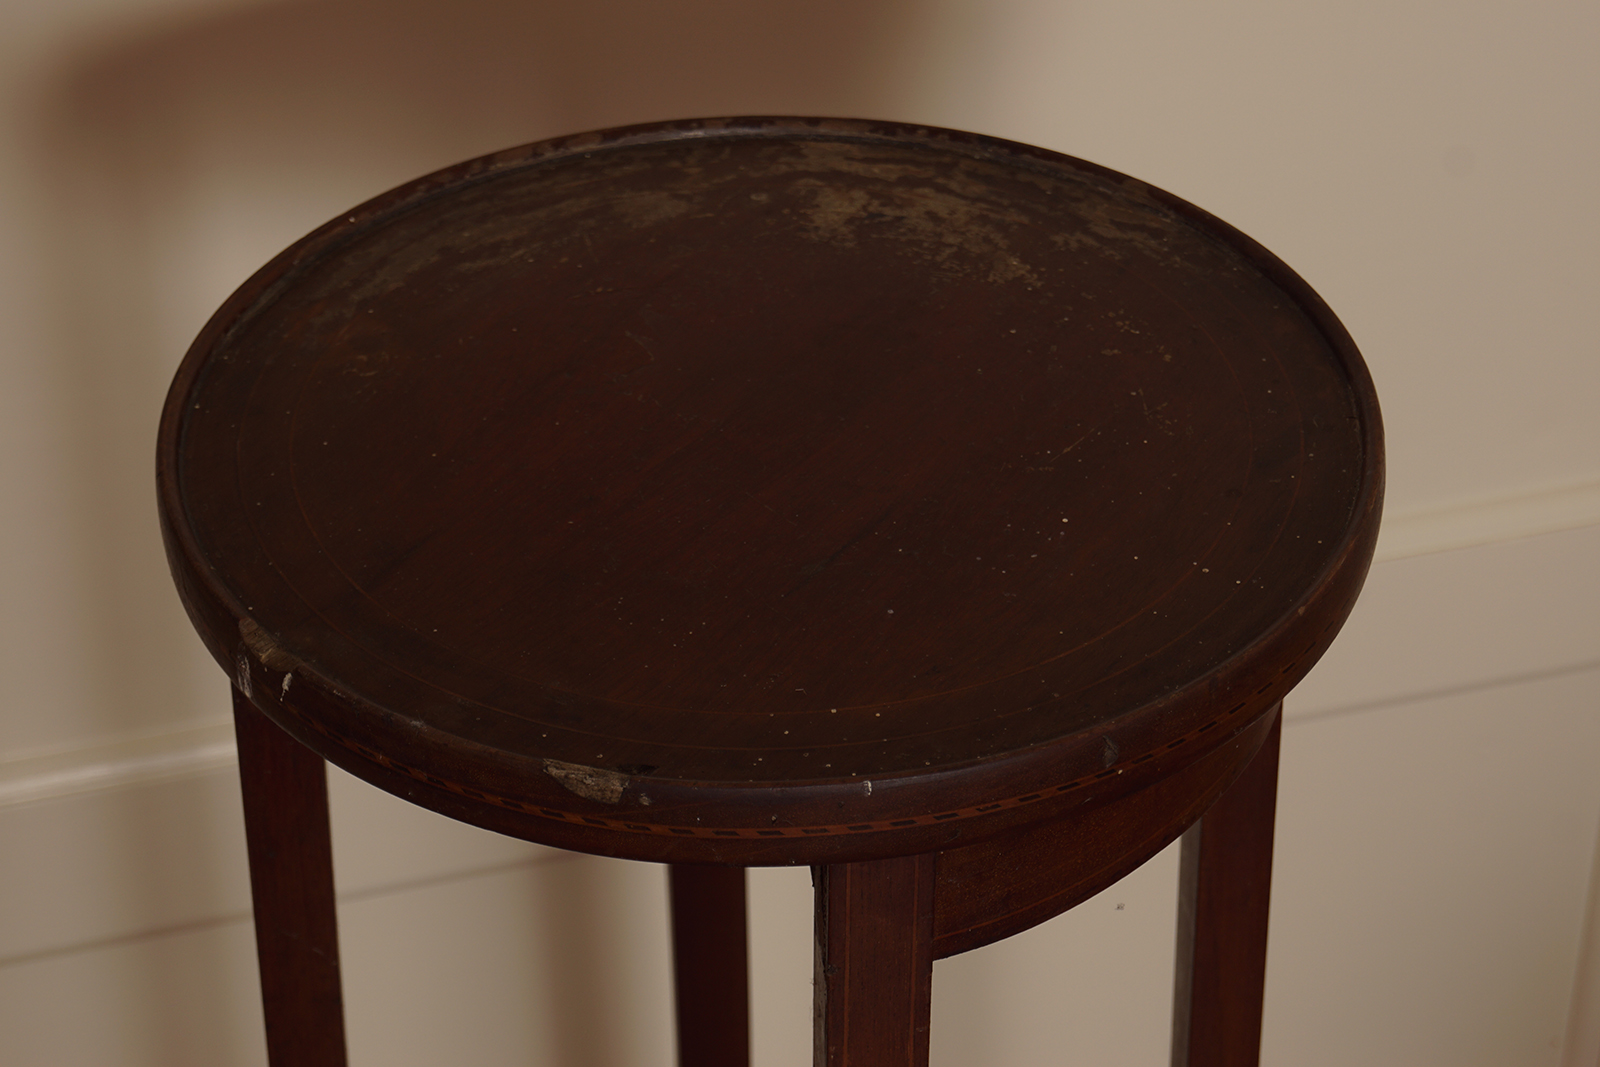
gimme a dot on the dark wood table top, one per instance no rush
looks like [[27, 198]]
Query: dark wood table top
[[739, 489]]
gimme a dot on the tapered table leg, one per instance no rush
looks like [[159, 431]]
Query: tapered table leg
[[291, 882], [710, 963], [1224, 887], [874, 963]]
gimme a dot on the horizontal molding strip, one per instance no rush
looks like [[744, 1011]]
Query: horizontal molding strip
[[114, 763], [1467, 524], [196, 751], [158, 756], [233, 918], [1440, 692]]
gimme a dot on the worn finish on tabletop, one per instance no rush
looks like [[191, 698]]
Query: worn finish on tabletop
[[770, 491]]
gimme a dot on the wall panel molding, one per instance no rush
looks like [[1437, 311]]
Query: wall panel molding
[[154, 756], [116, 762], [1467, 524]]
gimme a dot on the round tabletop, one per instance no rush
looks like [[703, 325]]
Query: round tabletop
[[742, 488]]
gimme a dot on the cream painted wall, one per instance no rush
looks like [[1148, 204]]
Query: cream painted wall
[[1429, 167]]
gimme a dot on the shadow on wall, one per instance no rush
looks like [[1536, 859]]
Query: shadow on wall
[[183, 161], [180, 161]]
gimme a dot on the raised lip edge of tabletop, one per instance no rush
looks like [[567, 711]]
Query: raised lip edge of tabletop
[[1002, 790]]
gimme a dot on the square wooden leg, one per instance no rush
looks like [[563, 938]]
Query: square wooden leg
[[710, 964], [1224, 888], [874, 963], [291, 883]]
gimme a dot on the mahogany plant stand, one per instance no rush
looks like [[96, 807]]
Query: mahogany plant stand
[[945, 514]]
